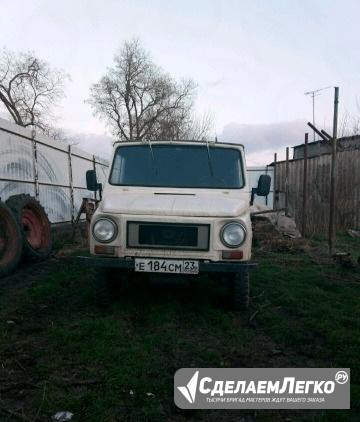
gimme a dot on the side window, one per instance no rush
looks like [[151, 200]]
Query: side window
[[117, 169]]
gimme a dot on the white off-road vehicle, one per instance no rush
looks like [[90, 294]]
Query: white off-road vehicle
[[174, 207]]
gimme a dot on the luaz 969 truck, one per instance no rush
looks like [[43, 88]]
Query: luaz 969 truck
[[174, 207]]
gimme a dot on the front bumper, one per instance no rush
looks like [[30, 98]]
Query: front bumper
[[204, 266]]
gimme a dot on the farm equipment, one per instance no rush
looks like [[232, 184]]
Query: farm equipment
[[24, 232]]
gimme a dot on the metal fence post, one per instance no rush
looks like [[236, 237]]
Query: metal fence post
[[71, 183], [287, 182], [35, 163], [266, 197], [274, 182], [304, 204], [332, 216], [94, 168]]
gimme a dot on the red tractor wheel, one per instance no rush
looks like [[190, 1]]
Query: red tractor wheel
[[34, 223], [10, 241]]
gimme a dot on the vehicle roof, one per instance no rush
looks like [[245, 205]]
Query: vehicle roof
[[183, 142]]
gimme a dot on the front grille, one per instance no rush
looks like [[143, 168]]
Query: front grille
[[168, 235]]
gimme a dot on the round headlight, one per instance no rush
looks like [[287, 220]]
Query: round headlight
[[233, 235], [104, 230]]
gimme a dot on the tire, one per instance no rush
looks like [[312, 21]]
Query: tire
[[240, 290], [102, 294], [10, 241], [34, 225]]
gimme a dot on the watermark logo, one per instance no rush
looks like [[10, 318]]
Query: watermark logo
[[341, 377], [190, 390], [262, 388]]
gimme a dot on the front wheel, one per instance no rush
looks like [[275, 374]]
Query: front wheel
[[239, 290]]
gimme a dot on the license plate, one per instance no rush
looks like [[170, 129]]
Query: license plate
[[174, 266]]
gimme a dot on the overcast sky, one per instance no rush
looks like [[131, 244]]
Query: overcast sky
[[253, 60]]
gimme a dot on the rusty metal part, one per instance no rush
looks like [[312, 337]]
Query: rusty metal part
[[88, 207], [267, 211]]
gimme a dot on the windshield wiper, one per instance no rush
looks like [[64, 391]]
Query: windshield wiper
[[209, 158], [152, 156]]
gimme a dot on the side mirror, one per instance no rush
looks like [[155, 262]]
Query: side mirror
[[263, 187], [91, 181]]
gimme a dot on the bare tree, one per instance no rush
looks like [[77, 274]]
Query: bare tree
[[356, 120], [184, 126], [59, 134], [350, 123], [199, 128], [139, 101], [29, 88]]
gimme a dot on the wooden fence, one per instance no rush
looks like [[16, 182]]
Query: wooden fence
[[318, 191]]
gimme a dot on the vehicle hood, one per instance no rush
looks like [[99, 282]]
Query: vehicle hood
[[199, 204]]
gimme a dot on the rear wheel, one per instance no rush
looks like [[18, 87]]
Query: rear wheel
[[10, 241], [34, 224], [240, 290]]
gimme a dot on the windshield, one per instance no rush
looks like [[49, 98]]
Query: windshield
[[177, 166]]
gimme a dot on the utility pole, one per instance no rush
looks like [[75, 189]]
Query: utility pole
[[275, 183], [287, 183], [314, 94], [332, 216], [304, 205]]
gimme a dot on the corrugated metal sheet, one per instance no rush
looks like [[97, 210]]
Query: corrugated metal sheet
[[53, 165], [79, 168], [17, 170], [9, 188], [56, 201], [16, 158]]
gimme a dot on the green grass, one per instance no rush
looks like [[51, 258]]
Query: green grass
[[308, 315]]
